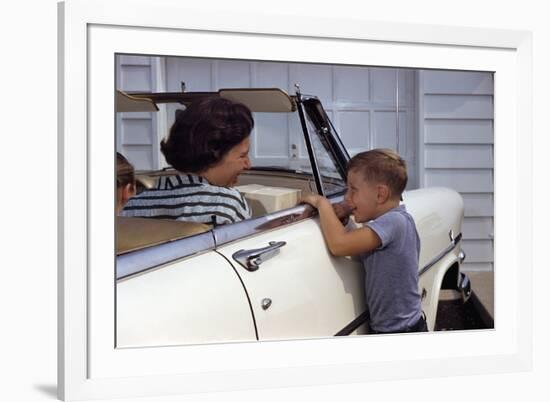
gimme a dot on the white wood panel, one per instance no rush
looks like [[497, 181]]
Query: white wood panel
[[455, 131], [351, 84], [478, 228], [383, 85], [459, 106], [477, 266], [232, 74], [478, 250], [385, 129], [343, 90], [136, 78], [135, 115], [313, 79], [463, 181], [140, 156], [346, 91], [456, 137], [458, 82], [137, 132], [170, 110], [408, 143], [476, 205], [196, 73], [271, 135], [385, 132], [272, 75], [321, 154], [134, 60], [458, 156], [297, 139], [355, 129], [407, 87]]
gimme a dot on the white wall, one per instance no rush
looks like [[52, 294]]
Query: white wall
[[456, 148], [443, 127], [360, 101], [138, 133]]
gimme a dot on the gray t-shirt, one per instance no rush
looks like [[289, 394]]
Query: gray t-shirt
[[391, 272]]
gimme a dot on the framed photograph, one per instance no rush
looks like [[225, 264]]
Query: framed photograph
[[117, 340]]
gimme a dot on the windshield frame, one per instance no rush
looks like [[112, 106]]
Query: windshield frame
[[312, 108]]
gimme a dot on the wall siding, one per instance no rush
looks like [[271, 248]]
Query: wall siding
[[458, 82], [456, 131], [458, 106], [360, 101], [137, 132], [456, 144], [451, 111]]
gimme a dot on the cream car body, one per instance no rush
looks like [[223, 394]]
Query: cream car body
[[269, 277]]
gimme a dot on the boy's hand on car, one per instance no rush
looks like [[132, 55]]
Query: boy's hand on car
[[311, 199], [342, 211]]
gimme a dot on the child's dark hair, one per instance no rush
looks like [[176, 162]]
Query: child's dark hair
[[383, 166], [124, 171], [204, 133]]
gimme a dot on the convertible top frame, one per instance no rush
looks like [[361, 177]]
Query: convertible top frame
[[260, 100]]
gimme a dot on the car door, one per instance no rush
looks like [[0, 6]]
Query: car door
[[299, 290], [180, 292]]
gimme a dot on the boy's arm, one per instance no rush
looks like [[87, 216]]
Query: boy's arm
[[339, 241], [342, 211]]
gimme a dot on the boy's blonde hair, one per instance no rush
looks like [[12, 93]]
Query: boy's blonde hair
[[383, 166]]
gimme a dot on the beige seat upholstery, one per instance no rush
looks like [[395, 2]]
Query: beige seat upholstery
[[267, 199], [135, 233]]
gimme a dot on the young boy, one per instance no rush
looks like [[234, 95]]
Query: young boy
[[388, 243]]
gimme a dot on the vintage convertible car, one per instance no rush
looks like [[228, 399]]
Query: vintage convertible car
[[269, 277]]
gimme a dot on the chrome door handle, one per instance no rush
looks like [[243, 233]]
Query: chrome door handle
[[251, 259]]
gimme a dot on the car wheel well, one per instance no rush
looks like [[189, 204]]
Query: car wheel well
[[450, 280]]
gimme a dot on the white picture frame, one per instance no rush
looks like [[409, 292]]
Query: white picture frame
[[93, 31]]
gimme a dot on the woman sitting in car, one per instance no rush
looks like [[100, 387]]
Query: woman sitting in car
[[208, 144]]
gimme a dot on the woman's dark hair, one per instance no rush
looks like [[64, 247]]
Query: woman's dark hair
[[205, 132], [124, 171]]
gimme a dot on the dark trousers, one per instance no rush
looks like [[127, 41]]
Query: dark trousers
[[419, 326]]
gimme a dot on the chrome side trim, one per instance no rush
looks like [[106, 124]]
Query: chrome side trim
[[228, 233], [461, 256], [440, 256], [148, 258]]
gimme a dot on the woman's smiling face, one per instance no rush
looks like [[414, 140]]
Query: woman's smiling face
[[227, 171]]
